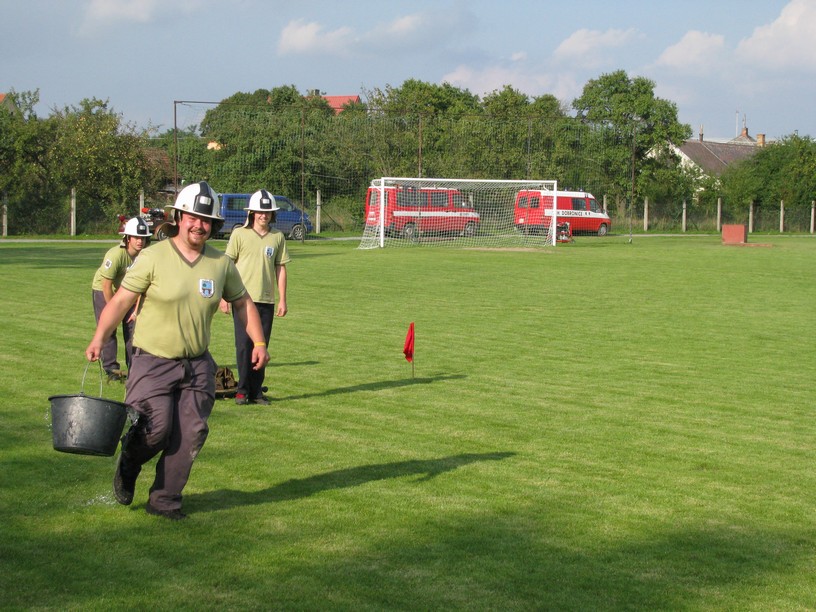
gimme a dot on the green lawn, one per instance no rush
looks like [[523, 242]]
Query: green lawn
[[602, 426]]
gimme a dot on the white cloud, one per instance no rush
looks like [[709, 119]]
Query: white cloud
[[418, 32], [492, 78], [588, 46], [103, 13], [788, 42], [301, 37], [405, 25], [120, 10], [696, 51]]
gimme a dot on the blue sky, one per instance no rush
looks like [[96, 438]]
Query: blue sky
[[723, 62]]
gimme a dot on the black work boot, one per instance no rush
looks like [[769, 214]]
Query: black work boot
[[124, 484], [173, 515]]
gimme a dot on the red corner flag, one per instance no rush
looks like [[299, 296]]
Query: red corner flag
[[408, 349]]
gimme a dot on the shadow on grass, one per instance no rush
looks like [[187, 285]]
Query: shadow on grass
[[338, 479], [373, 386]]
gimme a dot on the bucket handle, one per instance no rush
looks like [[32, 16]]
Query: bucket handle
[[82, 389]]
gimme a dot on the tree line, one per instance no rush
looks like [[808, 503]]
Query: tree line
[[614, 140]]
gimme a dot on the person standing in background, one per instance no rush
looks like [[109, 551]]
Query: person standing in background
[[106, 281], [259, 252]]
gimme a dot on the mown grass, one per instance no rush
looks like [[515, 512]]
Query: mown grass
[[604, 426]]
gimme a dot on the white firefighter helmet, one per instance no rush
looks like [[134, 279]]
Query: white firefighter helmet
[[136, 227], [260, 201], [198, 199]]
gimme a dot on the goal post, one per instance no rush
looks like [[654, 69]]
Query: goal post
[[404, 211]]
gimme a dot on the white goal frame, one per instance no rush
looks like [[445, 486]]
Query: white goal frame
[[500, 231]]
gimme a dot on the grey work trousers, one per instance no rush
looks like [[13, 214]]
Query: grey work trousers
[[174, 399], [110, 348]]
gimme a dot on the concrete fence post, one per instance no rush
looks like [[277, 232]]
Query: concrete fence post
[[73, 211], [719, 214], [781, 216], [645, 214], [318, 207]]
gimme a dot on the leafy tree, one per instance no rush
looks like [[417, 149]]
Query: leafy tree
[[782, 171], [102, 158], [257, 140], [630, 121], [35, 204], [414, 119]]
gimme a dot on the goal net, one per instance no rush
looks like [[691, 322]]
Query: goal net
[[454, 212]]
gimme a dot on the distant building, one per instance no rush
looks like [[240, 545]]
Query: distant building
[[713, 157], [338, 102], [7, 102]]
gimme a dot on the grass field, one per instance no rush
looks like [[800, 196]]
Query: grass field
[[606, 426]]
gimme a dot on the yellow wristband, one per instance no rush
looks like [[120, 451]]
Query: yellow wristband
[[260, 344]]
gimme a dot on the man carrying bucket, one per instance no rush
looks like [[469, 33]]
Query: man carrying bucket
[[171, 384]]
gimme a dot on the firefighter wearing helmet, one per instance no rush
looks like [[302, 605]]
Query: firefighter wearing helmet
[[197, 199], [171, 384], [259, 253], [106, 281]]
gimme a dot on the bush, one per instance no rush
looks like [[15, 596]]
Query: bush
[[342, 213]]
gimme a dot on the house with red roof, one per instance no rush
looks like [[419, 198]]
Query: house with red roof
[[338, 102]]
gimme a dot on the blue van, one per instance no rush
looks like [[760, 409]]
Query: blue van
[[290, 219]]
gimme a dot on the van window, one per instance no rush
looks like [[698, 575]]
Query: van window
[[439, 198], [238, 204], [528, 201], [284, 204], [593, 206], [578, 204], [460, 201], [411, 197]]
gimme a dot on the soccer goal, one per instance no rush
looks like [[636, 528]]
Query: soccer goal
[[455, 212]]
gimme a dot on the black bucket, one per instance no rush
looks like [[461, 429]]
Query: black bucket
[[85, 425]]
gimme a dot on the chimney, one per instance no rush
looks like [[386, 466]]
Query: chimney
[[701, 132], [760, 140]]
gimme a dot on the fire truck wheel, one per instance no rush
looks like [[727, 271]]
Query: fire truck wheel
[[409, 232], [603, 229]]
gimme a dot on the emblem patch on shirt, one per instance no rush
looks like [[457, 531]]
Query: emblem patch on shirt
[[269, 252], [206, 287], [108, 264]]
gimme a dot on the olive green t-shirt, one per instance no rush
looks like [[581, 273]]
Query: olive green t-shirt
[[256, 256], [180, 298], [114, 265]]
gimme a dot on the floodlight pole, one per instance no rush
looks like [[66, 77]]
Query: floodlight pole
[[632, 195], [175, 145]]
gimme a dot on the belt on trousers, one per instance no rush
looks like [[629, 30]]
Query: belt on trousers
[[140, 351]]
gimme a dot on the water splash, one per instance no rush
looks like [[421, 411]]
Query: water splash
[[102, 499]]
